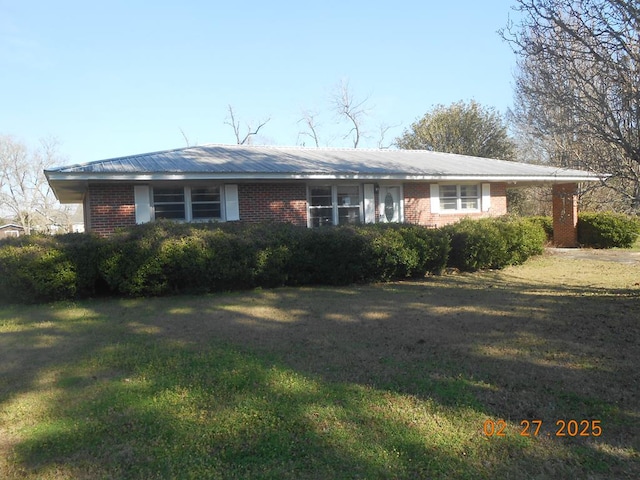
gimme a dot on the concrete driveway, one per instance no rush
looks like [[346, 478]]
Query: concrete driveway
[[629, 257]]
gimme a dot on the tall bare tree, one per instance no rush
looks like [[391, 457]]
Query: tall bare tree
[[25, 194], [351, 109], [250, 131], [578, 85], [310, 122]]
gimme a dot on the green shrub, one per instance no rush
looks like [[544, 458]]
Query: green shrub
[[431, 245], [44, 267], [607, 230], [545, 222], [330, 256], [523, 239], [130, 263], [390, 255], [493, 242], [83, 250], [276, 249], [397, 251], [163, 258], [33, 273]]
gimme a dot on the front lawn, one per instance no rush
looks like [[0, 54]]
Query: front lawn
[[400, 380]]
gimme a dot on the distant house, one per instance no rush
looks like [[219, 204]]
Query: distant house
[[306, 186], [11, 230]]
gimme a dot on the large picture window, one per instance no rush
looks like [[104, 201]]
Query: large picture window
[[455, 198], [334, 205], [187, 203]]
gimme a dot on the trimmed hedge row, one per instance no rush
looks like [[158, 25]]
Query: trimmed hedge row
[[166, 258]]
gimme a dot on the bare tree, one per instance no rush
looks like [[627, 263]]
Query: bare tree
[[250, 131], [186, 139], [578, 85], [383, 129], [25, 194], [309, 119], [351, 109]]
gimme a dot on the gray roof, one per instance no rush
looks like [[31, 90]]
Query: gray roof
[[242, 162]]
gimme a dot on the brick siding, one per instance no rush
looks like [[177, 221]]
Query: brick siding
[[110, 206], [281, 202]]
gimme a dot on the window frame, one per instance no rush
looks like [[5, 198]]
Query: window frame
[[188, 203], [335, 206], [459, 198]]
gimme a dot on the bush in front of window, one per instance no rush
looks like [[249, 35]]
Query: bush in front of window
[[330, 256], [431, 245], [165, 257], [396, 251]]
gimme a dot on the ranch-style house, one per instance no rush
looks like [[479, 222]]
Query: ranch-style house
[[311, 187]]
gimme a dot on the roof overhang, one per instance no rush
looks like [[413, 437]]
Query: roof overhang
[[70, 187]]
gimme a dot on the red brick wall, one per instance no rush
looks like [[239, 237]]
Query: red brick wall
[[282, 202], [417, 205], [110, 206], [565, 215]]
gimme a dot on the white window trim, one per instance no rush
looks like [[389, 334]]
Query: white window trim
[[335, 213], [459, 208]]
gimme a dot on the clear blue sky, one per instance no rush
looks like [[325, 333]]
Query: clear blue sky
[[113, 78]]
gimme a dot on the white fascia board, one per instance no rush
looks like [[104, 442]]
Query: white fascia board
[[161, 176]]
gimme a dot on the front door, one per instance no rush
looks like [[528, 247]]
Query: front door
[[390, 208]]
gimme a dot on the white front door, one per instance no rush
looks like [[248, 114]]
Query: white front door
[[390, 207]]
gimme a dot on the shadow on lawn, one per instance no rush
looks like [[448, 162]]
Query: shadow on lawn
[[358, 382]]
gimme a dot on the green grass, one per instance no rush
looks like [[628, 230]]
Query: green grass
[[380, 381]]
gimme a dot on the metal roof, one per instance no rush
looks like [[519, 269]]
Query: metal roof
[[242, 162]]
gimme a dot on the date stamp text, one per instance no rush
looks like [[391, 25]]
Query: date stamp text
[[533, 428]]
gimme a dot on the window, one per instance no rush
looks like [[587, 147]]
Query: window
[[459, 197], [187, 203], [334, 205], [321, 206], [169, 203], [205, 203], [348, 205]]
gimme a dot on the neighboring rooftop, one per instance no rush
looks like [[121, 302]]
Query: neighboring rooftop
[[242, 162]]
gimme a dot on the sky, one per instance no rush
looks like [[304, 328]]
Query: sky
[[115, 78]]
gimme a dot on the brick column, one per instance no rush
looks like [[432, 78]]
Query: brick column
[[565, 215]]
